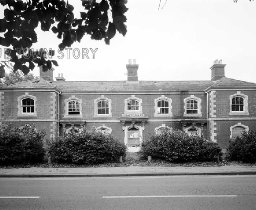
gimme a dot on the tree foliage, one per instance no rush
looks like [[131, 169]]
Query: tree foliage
[[100, 19], [17, 76]]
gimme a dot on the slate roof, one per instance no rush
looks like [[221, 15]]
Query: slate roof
[[40, 84], [124, 86], [228, 83]]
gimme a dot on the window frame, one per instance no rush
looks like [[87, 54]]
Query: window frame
[[96, 108], [162, 126], [198, 129], [166, 99], [99, 129], [199, 106], [20, 105], [238, 125], [133, 112], [245, 104], [67, 101]]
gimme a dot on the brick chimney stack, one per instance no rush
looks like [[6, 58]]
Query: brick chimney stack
[[132, 70], [218, 70], [46, 75]]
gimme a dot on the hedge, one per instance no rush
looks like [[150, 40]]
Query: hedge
[[243, 148], [21, 145], [86, 148], [178, 147]]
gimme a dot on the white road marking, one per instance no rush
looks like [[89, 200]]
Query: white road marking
[[171, 196], [19, 197]]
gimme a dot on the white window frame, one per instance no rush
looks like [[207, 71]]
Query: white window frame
[[245, 97], [20, 106], [163, 98], [199, 130], [199, 106], [102, 97], [238, 125], [132, 112], [73, 98], [99, 129], [162, 126]]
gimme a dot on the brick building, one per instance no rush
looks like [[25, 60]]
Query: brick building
[[132, 110]]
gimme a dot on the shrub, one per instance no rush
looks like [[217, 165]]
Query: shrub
[[86, 148], [243, 148], [23, 145], [178, 147]]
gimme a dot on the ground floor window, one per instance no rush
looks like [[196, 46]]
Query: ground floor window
[[193, 131], [237, 130]]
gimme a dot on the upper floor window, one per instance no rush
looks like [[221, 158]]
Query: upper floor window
[[73, 107], [133, 105], [237, 130], [163, 106], [192, 106], [27, 105], [162, 128], [239, 104], [102, 106]]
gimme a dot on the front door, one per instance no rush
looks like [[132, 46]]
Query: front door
[[133, 139]]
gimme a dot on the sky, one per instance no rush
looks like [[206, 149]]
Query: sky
[[178, 41]]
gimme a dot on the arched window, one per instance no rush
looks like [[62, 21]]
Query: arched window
[[73, 107], [27, 105], [192, 106], [239, 104], [237, 130], [163, 106], [102, 107], [104, 130], [133, 106], [162, 128], [193, 131]]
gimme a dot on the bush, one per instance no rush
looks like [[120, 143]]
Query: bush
[[243, 148], [86, 148], [178, 147], [23, 145]]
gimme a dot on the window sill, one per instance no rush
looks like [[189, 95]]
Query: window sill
[[238, 113], [162, 115], [102, 115], [73, 116], [27, 116], [192, 115]]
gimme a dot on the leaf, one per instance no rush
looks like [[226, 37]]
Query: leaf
[[55, 63]]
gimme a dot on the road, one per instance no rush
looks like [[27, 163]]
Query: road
[[156, 193]]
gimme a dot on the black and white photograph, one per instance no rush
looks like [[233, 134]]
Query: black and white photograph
[[127, 105]]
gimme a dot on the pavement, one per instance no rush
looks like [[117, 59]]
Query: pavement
[[128, 171]]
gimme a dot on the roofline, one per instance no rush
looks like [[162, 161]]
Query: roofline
[[237, 89]]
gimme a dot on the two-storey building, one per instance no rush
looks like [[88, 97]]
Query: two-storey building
[[133, 110]]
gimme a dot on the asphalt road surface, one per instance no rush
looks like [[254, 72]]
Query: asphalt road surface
[[156, 193]]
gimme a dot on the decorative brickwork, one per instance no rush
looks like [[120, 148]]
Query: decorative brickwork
[[53, 105], [212, 104], [1, 105], [213, 130], [53, 130]]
